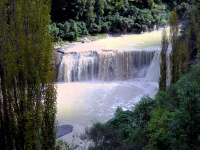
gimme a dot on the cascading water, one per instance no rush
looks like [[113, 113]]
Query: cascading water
[[153, 71], [127, 75], [106, 65], [128, 66]]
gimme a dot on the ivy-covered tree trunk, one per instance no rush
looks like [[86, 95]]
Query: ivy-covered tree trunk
[[163, 65], [27, 77]]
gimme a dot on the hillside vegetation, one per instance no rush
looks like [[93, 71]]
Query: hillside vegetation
[[76, 18], [169, 121]]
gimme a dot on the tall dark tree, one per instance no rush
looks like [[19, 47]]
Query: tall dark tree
[[163, 65], [196, 23], [27, 91], [175, 53], [184, 47], [5, 127]]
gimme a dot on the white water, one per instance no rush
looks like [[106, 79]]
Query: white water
[[84, 103], [107, 82], [105, 65]]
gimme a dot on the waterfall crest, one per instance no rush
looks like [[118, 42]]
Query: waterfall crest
[[107, 65]]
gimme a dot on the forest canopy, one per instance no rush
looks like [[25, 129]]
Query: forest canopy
[[75, 18]]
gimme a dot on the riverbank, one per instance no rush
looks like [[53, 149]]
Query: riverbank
[[74, 139], [117, 42]]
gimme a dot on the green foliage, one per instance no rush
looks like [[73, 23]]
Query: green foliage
[[122, 122], [122, 131], [120, 23], [137, 139], [158, 126], [169, 121], [144, 19], [185, 124], [160, 15], [69, 30], [184, 46], [28, 95], [104, 137], [182, 9], [102, 16], [82, 29], [196, 20], [117, 15], [175, 54], [175, 124], [55, 31], [192, 76], [192, 24], [163, 64], [61, 145], [99, 7], [112, 134], [142, 111]]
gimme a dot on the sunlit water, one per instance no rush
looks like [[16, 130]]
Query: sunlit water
[[82, 103], [85, 103]]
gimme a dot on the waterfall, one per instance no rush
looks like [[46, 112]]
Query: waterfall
[[108, 65], [153, 71]]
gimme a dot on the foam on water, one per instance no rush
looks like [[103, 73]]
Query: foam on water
[[124, 68], [83, 103]]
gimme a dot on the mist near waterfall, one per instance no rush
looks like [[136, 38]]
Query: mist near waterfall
[[104, 65], [88, 102], [93, 85], [97, 77]]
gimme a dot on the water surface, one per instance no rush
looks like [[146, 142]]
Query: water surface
[[87, 102]]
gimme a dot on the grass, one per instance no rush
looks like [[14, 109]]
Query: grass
[[61, 43], [97, 36], [80, 39]]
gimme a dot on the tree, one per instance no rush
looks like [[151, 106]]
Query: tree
[[99, 7], [27, 91], [185, 125], [158, 126], [89, 11], [196, 22], [163, 65], [5, 127], [175, 53], [184, 46], [142, 111], [62, 10]]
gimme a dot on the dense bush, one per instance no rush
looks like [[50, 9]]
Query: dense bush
[[68, 30], [78, 18]]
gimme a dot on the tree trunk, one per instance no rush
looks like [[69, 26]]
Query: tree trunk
[[5, 106]]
